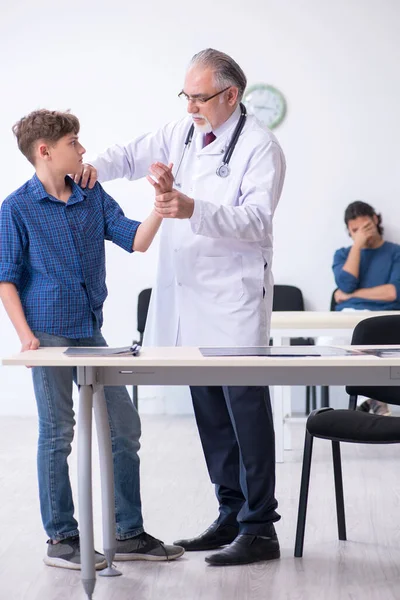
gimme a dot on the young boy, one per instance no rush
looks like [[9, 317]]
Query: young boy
[[52, 284]]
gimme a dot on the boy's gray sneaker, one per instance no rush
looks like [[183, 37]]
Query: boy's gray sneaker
[[146, 547], [67, 555]]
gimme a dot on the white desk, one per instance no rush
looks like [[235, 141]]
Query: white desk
[[286, 325], [178, 366]]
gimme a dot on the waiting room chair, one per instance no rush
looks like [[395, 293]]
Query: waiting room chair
[[290, 298], [142, 310], [351, 425], [333, 301]]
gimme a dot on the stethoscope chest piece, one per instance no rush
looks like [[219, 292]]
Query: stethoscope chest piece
[[223, 171]]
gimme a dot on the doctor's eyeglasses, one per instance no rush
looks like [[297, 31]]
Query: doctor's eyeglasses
[[200, 99]]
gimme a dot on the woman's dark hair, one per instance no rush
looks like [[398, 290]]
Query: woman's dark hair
[[362, 209]]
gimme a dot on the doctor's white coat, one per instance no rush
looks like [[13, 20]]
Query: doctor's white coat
[[214, 283]]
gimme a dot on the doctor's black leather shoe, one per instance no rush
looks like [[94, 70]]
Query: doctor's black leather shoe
[[246, 549], [212, 538]]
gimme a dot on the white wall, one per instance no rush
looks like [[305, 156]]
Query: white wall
[[119, 68]]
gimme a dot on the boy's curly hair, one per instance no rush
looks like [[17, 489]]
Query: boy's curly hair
[[43, 124]]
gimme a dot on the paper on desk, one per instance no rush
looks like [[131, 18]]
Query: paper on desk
[[93, 351], [279, 351], [381, 352]]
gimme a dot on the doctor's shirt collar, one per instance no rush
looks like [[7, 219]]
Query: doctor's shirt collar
[[233, 119]]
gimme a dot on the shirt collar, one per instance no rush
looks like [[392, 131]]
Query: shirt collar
[[217, 147], [39, 193], [233, 119]]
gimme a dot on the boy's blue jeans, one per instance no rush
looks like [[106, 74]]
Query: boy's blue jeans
[[53, 391]]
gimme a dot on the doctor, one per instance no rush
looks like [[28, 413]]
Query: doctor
[[214, 283]]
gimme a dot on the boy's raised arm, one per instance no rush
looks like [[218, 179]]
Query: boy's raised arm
[[146, 232], [161, 179]]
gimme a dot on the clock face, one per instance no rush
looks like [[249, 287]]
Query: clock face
[[266, 103]]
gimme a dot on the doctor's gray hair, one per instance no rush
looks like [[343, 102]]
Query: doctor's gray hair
[[226, 71]]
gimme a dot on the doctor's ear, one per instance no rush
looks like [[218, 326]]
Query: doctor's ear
[[232, 95]]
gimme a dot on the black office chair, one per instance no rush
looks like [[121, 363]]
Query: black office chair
[[287, 298], [333, 301], [351, 425], [290, 298], [142, 310]]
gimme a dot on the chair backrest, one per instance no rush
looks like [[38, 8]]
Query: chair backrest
[[333, 301], [287, 297], [377, 331], [142, 310]]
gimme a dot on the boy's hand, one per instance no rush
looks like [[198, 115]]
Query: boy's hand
[[29, 343], [88, 174], [163, 175]]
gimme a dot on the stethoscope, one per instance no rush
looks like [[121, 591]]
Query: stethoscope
[[223, 170]]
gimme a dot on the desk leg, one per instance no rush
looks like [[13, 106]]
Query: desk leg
[[85, 489], [278, 422], [107, 480], [285, 393], [287, 409], [287, 412]]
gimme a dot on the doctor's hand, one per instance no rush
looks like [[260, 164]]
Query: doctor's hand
[[341, 296], [174, 205], [162, 179], [87, 175]]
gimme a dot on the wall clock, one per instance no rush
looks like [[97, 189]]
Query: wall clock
[[266, 103]]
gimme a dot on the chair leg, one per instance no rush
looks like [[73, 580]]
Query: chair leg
[[337, 470], [135, 398], [303, 499], [314, 397], [324, 396], [308, 400], [352, 402]]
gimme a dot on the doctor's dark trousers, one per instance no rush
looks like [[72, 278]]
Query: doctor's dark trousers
[[237, 435]]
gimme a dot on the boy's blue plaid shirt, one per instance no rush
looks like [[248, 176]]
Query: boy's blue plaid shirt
[[54, 253]]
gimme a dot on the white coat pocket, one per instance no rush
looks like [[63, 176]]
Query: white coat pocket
[[220, 278]]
